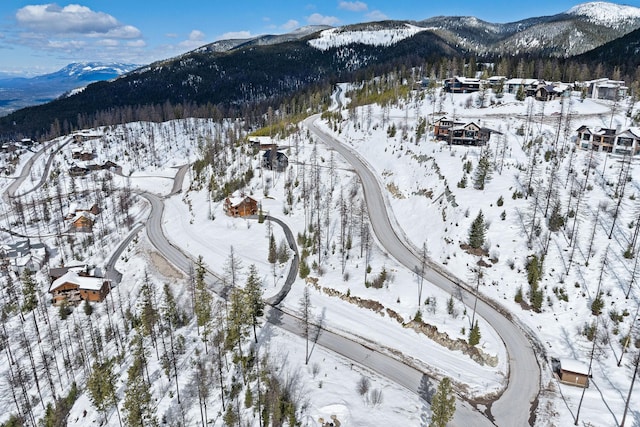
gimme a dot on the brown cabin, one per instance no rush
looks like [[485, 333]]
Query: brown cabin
[[240, 206], [82, 222]]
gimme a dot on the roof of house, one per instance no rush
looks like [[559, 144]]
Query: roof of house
[[262, 140], [83, 214], [576, 366], [521, 81], [84, 282], [238, 200], [468, 80], [631, 132]]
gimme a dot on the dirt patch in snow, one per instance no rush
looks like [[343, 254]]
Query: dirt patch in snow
[[164, 267]]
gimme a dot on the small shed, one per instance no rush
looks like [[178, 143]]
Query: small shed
[[574, 372]]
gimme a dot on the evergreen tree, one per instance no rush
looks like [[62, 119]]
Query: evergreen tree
[[237, 320], [443, 404], [283, 252], [474, 334], [556, 219], [477, 231], [29, 291], [138, 407], [101, 387], [253, 296], [272, 257], [520, 94], [534, 272], [203, 297], [148, 312], [483, 171]]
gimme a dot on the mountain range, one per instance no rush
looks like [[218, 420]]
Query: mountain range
[[19, 92], [260, 72]]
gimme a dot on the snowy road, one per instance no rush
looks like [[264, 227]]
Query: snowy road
[[386, 365], [517, 404], [26, 170]]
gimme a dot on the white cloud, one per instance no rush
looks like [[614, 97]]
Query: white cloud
[[66, 44], [235, 35], [136, 43], [171, 35], [196, 35], [376, 15], [353, 6], [317, 19], [291, 24], [73, 19], [108, 43], [196, 39]]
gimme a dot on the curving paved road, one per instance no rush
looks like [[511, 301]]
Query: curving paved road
[[26, 170], [517, 404], [367, 356]]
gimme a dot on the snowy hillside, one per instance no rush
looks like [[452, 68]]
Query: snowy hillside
[[337, 37], [604, 13]]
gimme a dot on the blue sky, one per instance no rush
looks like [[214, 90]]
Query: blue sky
[[42, 37]]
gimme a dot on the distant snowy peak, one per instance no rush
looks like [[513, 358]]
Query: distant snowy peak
[[604, 13], [85, 68], [373, 36]]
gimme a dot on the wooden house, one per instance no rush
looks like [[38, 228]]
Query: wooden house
[[574, 372], [76, 170], [22, 255], [460, 133], [496, 82], [274, 160], [441, 128], [83, 154], [263, 143], [464, 135], [75, 209], [514, 85], [109, 165], [461, 85], [240, 206], [73, 288], [82, 222]]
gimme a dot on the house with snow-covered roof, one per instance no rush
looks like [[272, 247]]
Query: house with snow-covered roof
[[83, 222], [240, 206], [461, 85], [461, 133], [513, 85], [22, 255], [73, 288]]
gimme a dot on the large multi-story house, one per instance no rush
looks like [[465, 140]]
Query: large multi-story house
[[461, 133], [616, 141], [605, 88], [462, 85]]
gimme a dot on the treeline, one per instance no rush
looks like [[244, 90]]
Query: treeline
[[291, 78]]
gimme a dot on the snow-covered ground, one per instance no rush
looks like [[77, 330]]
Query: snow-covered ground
[[417, 177]]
